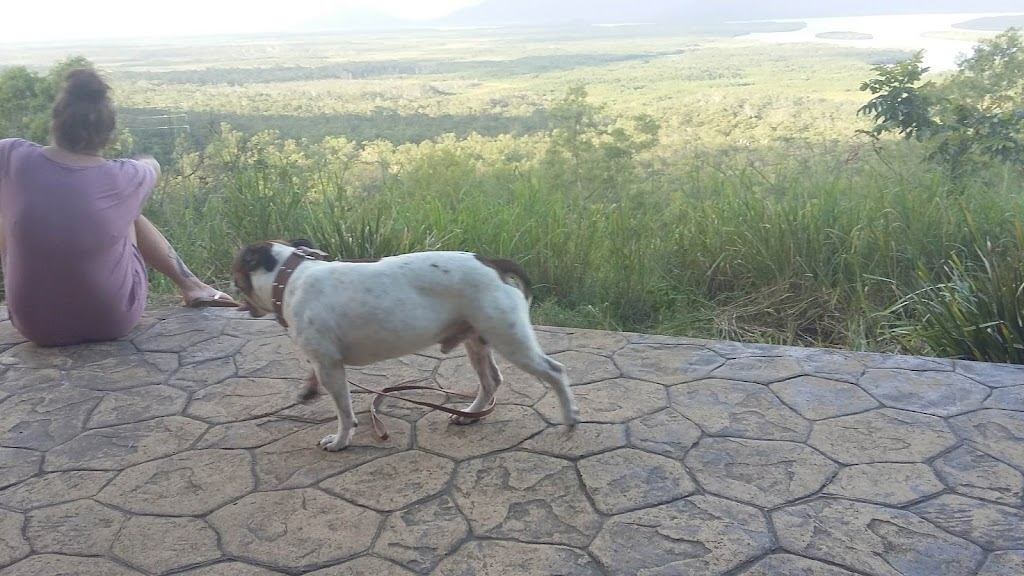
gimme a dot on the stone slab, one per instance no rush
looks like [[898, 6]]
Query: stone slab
[[873, 539], [883, 435], [181, 450], [885, 483], [935, 393], [666, 364], [82, 528], [819, 398], [422, 535], [55, 488], [119, 447], [629, 479], [991, 526], [696, 535], [160, 545], [393, 482], [192, 483], [613, 401], [739, 409], [974, 473], [294, 529], [760, 472], [504, 558], [525, 497]]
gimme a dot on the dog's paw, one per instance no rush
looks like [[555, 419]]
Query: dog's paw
[[462, 420], [333, 443], [307, 395], [572, 419]]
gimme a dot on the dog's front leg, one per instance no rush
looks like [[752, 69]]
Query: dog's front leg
[[332, 378]]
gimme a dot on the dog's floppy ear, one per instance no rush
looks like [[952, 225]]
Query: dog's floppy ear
[[252, 258], [302, 243], [257, 256]]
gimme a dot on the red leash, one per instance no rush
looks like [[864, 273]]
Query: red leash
[[378, 425]]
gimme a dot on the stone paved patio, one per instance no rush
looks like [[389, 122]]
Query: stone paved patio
[[182, 450]]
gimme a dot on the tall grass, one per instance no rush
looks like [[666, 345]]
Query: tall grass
[[972, 308], [797, 246]]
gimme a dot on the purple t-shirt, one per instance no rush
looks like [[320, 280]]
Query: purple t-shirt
[[71, 272]]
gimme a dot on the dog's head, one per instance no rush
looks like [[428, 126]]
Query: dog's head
[[264, 258]]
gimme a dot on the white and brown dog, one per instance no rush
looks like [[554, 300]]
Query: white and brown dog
[[354, 313]]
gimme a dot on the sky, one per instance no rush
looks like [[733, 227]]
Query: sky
[[55, 20]]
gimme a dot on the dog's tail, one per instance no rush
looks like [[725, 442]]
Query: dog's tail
[[513, 274]]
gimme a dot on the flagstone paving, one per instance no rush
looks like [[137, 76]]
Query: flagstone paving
[[183, 449]]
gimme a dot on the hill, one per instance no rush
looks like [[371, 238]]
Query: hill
[[992, 23]]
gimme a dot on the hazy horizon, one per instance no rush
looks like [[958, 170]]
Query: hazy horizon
[[101, 20], [26, 22]]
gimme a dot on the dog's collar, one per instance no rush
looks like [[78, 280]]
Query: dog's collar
[[293, 261]]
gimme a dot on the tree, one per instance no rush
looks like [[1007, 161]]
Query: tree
[[17, 99], [26, 98], [973, 118], [601, 150], [993, 76], [900, 106]]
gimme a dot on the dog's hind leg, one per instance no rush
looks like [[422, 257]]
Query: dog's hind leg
[[520, 347], [551, 371], [482, 360], [310, 388], [332, 378]]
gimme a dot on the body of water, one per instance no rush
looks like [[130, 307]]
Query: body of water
[[906, 32]]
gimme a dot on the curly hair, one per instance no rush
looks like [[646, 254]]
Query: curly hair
[[83, 114]]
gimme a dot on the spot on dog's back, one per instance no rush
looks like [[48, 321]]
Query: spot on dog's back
[[511, 273]]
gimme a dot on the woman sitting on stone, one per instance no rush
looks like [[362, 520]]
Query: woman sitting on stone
[[73, 242]]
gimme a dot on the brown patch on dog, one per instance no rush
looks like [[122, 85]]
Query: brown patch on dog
[[507, 269], [249, 259], [261, 255]]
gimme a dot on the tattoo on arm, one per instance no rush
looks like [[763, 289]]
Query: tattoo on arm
[[182, 269]]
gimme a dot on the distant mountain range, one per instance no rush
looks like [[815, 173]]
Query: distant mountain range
[[548, 12]]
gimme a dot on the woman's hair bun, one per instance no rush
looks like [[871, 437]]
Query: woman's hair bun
[[85, 84]]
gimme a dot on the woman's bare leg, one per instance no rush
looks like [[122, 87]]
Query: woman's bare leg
[[161, 256]]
